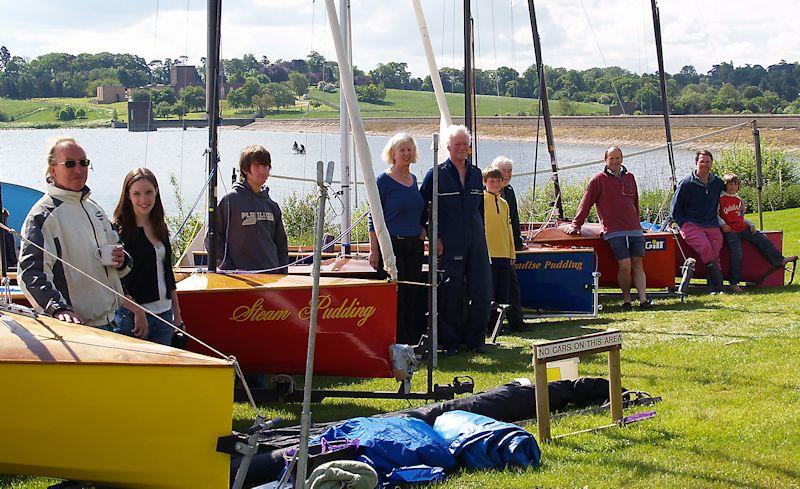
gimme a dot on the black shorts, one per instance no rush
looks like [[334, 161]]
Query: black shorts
[[625, 247]]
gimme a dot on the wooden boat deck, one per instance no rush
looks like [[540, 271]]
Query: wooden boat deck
[[46, 340], [191, 282]]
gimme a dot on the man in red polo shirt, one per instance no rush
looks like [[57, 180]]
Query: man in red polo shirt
[[613, 191]]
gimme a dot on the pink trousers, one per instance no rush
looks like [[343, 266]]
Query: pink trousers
[[707, 242]]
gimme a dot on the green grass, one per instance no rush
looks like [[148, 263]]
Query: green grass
[[398, 103], [407, 103], [725, 366], [39, 112]]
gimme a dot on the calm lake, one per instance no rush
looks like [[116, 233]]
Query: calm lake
[[172, 151]]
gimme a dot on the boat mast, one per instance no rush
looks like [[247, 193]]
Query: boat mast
[[663, 86], [3, 264], [548, 126], [436, 80], [469, 79], [212, 109], [344, 130]]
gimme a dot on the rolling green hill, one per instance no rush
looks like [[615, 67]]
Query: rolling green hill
[[407, 103], [42, 112], [398, 103]]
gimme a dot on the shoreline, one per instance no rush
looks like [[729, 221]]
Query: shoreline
[[595, 135]]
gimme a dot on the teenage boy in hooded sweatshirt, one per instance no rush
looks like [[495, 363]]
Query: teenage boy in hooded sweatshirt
[[694, 210], [250, 232]]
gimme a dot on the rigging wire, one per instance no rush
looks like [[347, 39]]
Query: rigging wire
[[150, 96], [186, 54], [496, 70], [602, 56]]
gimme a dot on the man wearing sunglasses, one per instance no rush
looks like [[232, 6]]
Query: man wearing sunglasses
[[67, 227], [614, 192]]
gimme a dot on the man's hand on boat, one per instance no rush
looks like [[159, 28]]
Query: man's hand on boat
[[573, 231], [67, 316], [374, 257]]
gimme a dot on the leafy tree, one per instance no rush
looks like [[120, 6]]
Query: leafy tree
[[277, 73], [5, 57], [298, 65], [298, 83], [193, 97], [263, 102], [180, 109], [371, 93], [392, 75], [567, 107], [281, 93], [163, 109], [688, 75], [727, 98], [236, 98], [751, 92], [66, 114]]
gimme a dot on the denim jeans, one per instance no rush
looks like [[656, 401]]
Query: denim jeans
[[157, 331], [757, 239]]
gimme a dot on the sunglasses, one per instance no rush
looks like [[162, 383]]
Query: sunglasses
[[71, 163]]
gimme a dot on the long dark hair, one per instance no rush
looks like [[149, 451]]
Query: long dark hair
[[124, 218]]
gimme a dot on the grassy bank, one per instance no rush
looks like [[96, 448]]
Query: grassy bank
[[398, 103], [723, 364], [43, 113]]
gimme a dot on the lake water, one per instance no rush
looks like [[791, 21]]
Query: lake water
[[115, 151]]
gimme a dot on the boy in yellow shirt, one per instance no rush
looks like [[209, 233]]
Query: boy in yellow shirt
[[499, 237]]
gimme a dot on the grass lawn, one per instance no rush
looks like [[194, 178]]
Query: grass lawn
[[407, 103], [398, 103], [40, 112], [725, 366]]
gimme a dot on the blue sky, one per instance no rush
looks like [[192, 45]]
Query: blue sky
[[575, 33]]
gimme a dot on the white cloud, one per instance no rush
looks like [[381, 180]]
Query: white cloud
[[698, 33]]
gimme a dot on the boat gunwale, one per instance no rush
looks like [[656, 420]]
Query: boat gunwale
[[212, 363]]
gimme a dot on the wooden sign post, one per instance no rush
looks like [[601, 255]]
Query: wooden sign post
[[577, 346]]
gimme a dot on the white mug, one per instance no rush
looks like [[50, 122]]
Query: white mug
[[105, 253]]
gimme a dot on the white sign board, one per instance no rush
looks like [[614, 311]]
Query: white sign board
[[574, 346]]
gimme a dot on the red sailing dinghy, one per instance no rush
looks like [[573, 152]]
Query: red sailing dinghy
[[263, 320]]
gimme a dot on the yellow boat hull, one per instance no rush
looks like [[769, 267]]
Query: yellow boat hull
[[147, 424]]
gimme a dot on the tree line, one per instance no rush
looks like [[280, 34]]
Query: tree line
[[725, 88]]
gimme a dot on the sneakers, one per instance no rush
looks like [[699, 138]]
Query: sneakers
[[627, 306], [735, 289], [646, 304]]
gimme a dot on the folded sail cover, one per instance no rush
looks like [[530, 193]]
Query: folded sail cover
[[480, 442]]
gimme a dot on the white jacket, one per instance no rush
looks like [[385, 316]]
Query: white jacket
[[71, 226]]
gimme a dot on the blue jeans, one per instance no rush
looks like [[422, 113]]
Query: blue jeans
[[157, 332], [757, 239]]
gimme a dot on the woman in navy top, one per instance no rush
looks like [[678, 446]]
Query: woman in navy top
[[402, 210]]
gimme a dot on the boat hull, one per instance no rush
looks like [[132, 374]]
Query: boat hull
[[754, 265], [263, 320], [660, 251], [96, 406], [556, 280]]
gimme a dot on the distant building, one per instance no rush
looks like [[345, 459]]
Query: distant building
[[629, 107], [140, 116], [109, 94], [182, 76]]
